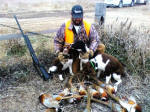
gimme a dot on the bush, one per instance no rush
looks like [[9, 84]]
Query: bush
[[129, 45], [16, 48]]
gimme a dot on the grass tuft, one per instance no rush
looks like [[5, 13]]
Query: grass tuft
[[130, 45]]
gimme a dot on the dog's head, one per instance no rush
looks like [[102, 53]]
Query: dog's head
[[79, 46], [101, 48], [63, 58], [82, 48], [66, 48]]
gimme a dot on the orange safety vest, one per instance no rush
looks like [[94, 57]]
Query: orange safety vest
[[69, 36]]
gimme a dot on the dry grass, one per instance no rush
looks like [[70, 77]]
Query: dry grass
[[128, 44], [20, 85]]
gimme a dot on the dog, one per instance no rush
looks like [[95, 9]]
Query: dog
[[109, 66]]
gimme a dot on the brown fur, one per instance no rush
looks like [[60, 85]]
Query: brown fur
[[101, 48], [88, 69], [57, 63], [114, 66], [76, 65]]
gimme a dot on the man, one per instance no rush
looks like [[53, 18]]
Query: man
[[74, 30]]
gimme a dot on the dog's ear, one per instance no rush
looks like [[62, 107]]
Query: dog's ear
[[101, 48]]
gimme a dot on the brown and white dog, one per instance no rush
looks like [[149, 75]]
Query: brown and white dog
[[109, 66], [106, 65]]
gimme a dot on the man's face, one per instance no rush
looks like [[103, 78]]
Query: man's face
[[77, 21]]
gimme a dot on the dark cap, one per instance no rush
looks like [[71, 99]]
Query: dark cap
[[77, 11]]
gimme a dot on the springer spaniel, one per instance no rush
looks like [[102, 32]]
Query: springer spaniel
[[109, 66]]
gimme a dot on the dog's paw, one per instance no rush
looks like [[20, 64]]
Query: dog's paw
[[52, 69], [60, 77]]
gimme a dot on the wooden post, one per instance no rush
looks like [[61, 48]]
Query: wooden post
[[100, 13]]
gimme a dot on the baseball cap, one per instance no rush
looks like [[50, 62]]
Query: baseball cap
[[77, 11]]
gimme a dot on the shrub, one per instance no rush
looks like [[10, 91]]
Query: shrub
[[130, 45], [15, 47]]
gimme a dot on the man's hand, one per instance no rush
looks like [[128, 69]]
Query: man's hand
[[87, 55], [91, 53]]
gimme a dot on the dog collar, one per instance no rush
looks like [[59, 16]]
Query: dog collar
[[92, 65]]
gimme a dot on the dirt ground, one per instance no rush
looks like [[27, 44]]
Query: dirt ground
[[23, 97]]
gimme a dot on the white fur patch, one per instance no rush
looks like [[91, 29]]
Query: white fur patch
[[67, 64], [98, 73], [108, 79], [118, 79], [83, 61], [52, 69], [87, 49], [60, 77], [99, 60]]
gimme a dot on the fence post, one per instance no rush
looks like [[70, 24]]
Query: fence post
[[100, 13]]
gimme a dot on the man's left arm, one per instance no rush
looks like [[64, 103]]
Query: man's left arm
[[94, 39]]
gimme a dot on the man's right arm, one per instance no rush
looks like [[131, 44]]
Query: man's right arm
[[59, 39]]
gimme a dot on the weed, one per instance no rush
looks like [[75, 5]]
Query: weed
[[15, 47], [128, 44]]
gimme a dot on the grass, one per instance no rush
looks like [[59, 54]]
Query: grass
[[16, 62], [130, 45]]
